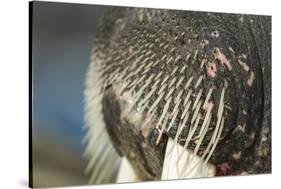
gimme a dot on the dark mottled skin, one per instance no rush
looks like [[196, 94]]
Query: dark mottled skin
[[245, 144]]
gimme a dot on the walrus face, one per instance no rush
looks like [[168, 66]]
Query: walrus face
[[193, 77]]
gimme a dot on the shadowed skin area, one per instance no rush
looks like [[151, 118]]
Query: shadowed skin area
[[166, 73]]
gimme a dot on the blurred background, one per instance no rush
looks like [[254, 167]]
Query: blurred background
[[62, 40]]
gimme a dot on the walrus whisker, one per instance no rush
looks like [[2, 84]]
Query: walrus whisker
[[146, 99], [174, 70], [206, 118], [181, 127], [135, 82], [208, 97], [155, 63], [172, 82], [211, 142], [155, 83], [162, 130], [172, 50], [196, 111], [165, 79], [179, 82], [162, 88], [133, 85], [197, 99], [205, 125], [169, 60], [139, 69], [188, 82], [156, 102], [216, 142], [178, 58], [163, 57], [95, 158], [173, 120], [171, 90], [184, 118], [177, 99], [174, 113], [187, 97], [124, 85], [185, 109], [104, 156], [198, 81], [137, 97], [187, 57], [219, 120], [159, 74], [193, 157], [165, 110], [190, 134], [183, 68]]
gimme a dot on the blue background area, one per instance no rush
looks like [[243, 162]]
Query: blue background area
[[62, 40]]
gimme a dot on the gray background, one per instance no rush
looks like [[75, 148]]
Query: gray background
[[62, 40]]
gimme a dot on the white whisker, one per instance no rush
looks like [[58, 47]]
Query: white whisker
[[178, 96], [155, 63], [165, 110], [178, 58], [183, 68], [196, 112], [174, 70], [163, 57], [172, 82], [187, 97], [147, 96], [179, 82], [198, 81], [169, 93], [169, 60], [156, 102], [196, 162], [185, 109], [197, 98], [205, 127], [155, 84], [172, 49], [208, 97], [159, 75], [188, 83], [162, 88], [189, 136], [216, 142], [187, 57], [165, 79], [182, 125], [173, 119]]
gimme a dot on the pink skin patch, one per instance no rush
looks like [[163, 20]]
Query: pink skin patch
[[208, 105], [222, 169], [250, 81], [212, 69], [222, 58]]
